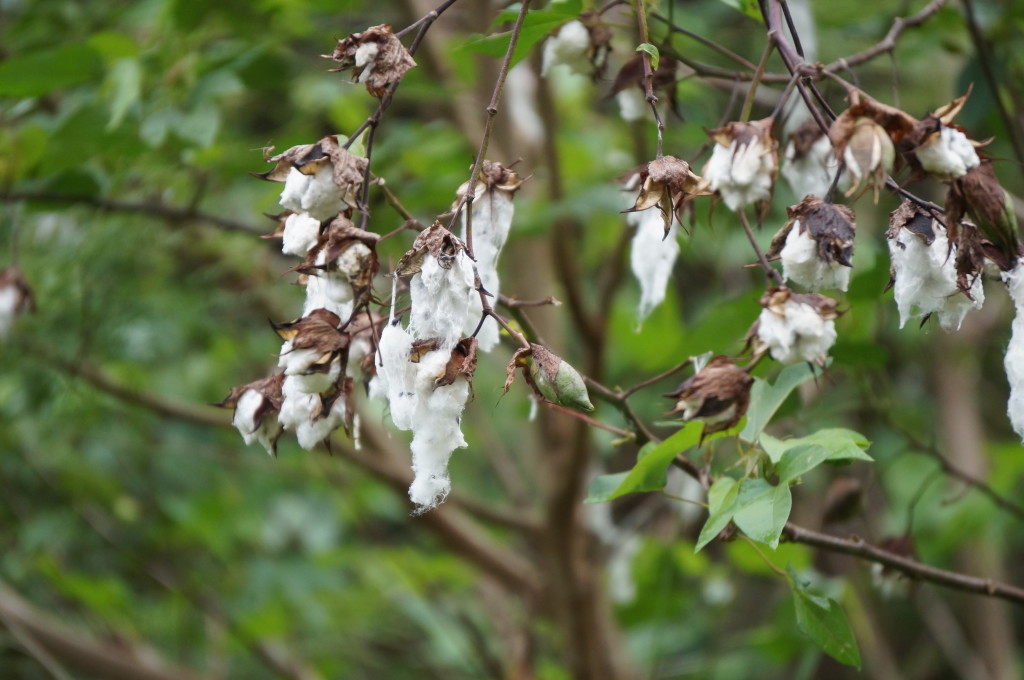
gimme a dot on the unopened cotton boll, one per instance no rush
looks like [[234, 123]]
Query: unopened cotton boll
[[802, 264], [1014, 360], [652, 257], [570, 47], [799, 334], [948, 155], [300, 234]]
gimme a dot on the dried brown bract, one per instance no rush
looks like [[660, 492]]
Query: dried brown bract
[[830, 225], [377, 58], [979, 195], [718, 395], [668, 183], [434, 240]]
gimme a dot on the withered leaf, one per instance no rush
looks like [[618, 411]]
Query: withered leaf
[[377, 58], [461, 362]]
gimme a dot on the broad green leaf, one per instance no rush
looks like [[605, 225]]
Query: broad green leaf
[[823, 620], [649, 472], [765, 398], [803, 454], [721, 505], [652, 51], [536, 26], [775, 448], [603, 486], [36, 73], [124, 83], [762, 510]]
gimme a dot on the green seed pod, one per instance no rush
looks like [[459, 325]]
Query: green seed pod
[[557, 381]]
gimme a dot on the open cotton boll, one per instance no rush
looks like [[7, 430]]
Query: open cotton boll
[[570, 47], [300, 234], [311, 432], [396, 375], [740, 173], [811, 174], [440, 299], [297, 365], [652, 256], [254, 426], [948, 155], [321, 294], [802, 264], [10, 299], [926, 280], [436, 434], [295, 186], [492, 220], [322, 198], [298, 405], [799, 334], [1014, 360], [365, 58], [633, 104]]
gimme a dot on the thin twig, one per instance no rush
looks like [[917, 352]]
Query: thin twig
[[748, 103], [769, 271], [645, 59], [888, 43], [590, 421], [721, 49]]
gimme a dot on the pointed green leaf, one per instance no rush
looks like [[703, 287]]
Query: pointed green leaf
[[762, 510], [652, 462], [765, 399], [823, 620], [652, 51], [803, 454], [36, 73], [721, 506]]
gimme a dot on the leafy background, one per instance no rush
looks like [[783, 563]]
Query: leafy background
[[140, 521]]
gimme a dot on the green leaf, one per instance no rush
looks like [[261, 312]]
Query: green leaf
[[536, 26], [823, 620], [803, 454], [649, 472], [603, 486], [652, 51], [37, 73], [762, 510], [125, 86], [721, 505], [748, 7], [765, 398]]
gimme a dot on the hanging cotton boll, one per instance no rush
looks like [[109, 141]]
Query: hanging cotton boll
[[314, 431], [492, 214], [255, 423], [322, 198], [436, 434], [440, 298], [570, 47], [298, 406], [947, 154], [295, 186], [795, 327], [924, 270], [300, 234], [307, 378], [321, 294], [1014, 360], [810, 171], [396, 375], [633, 104], [652, 256], [802, 264], [743, 163], [365, 56]]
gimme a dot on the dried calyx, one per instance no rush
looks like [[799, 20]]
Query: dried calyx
[[377, 58], [816, 244], [717, 395], [670, 184]]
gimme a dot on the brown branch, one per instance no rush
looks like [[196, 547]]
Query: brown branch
[[769, 271], [168, 213], [721, 49], [515, 303], [645, 59], [858, 547], [74, 649], [887, 44]]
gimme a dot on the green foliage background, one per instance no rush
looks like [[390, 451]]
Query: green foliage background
[[123, 124]]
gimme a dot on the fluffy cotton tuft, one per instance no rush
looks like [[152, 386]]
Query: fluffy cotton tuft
[[741, 173], [440, 299], [253, 428], [799, 334], [570, 47], [633, 104], [1014, 360], [300, 234], [926, 280], [812, 173], [802, 264], [315, 194], [949, 155], [492, 220], [10, 302], [652, 256]]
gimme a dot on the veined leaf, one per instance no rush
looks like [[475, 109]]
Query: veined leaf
[[649, 472], [822, 620], [721, 505], [762, 510], [803, 454], [765, 398]]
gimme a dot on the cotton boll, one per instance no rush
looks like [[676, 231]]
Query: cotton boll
[[802, 264], [570, 47], [436, 434], [300, 234], [811, 174], [253, 428], [320, 294], [652, 256], [492, 220], [365, 58], [298, 365], [311, 432], [1014, 360], [298, 405], [926, 280], [323, 199], [740, 173], [396, 375], [633, 104], [440, 299], [948, 155], [295, 187], [799, 334]]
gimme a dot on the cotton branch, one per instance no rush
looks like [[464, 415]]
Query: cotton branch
[[888, 43], [645, 58]]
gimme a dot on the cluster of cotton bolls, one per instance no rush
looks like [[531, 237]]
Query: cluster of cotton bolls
[[323, 348], [796, 327]]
